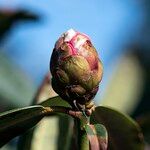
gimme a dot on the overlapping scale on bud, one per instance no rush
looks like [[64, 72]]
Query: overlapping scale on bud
[[75, 67]]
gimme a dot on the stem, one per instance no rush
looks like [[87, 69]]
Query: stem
[[83, 143]]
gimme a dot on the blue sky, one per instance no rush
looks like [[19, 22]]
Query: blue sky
[[112, 25]]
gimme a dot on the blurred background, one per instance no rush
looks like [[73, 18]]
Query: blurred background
[[120, 31]]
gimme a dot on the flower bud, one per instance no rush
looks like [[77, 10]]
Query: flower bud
[[75, 67]]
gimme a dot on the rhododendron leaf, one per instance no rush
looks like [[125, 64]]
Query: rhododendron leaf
[[17, 121], [55, 101], [123, 132]]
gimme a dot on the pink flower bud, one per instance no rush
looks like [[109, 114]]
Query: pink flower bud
[[75, 67]]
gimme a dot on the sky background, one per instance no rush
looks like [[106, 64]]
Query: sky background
[[112, 26]]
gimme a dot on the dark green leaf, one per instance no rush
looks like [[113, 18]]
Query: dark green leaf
[[123, 132], [55, 101], [97, 136], [17, 121]]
